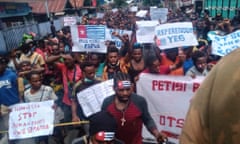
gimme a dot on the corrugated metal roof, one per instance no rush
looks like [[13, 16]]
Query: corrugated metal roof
[[38, 6]]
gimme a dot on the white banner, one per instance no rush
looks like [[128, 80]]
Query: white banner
[[146, 31], [88, 38], [222, 45], [91, 98], [168, 99], [175, 35], [159, 14], [28, 120]]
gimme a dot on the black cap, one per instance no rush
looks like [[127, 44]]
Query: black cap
[[102, 121]]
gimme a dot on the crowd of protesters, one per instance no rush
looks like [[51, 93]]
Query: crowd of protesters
[[47, 69]]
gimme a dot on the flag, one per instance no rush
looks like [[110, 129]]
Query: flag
[[91, 32], [82, 32]]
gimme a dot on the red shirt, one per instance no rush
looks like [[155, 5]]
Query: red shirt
[[131, 131], [67, 76]]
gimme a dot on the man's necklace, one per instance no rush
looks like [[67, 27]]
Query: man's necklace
[[123, 120]]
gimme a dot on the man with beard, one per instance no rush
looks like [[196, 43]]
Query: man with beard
[[130, 111], [113, 63]]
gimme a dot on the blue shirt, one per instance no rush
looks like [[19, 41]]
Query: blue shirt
[[188, 63], [8, 88]]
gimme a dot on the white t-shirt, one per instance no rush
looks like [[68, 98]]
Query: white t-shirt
[[43, 94]]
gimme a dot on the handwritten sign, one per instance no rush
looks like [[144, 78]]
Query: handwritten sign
[[222, 45], [175, 35], [91, 98], [28, 120], [168, 99]]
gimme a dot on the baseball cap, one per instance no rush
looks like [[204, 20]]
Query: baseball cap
[[103, 125]]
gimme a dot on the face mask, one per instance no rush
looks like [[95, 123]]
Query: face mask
[[87, 80]]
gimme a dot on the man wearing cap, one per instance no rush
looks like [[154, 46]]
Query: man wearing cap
[[130, 111], [102, 130], [8, 93]]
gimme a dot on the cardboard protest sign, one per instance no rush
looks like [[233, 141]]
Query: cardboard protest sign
[[222, 45], [91, 98], [88, 38], [146, 31], [168, 99], [173, 35], [33, 119]]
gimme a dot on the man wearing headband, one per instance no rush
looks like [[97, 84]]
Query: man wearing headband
[[102, 129], [130, 111]]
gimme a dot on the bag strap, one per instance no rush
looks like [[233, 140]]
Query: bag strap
[[42, 93]]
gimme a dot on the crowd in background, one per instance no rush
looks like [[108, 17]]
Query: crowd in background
[[47, 69]]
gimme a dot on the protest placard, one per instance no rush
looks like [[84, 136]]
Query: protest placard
[[33, 119], [91, 98], [141, 13], [175, 35], [222, 45], [159, 14], [134, 9], [168, 99], [117, 41], [88, 38], [68, 21], [146, 31]]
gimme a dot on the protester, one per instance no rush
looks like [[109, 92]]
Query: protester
[[28, 54], [171, 57], [96, 59], [200, 67], [37, 93], [8, 94], [131, 111], [88, 69], [113, 63], [137, 62]]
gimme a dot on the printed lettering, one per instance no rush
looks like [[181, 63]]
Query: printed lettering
[[168, 86], [195, 86], [171, 121]]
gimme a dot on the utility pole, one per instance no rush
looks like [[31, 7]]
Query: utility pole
[[47, 10]]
